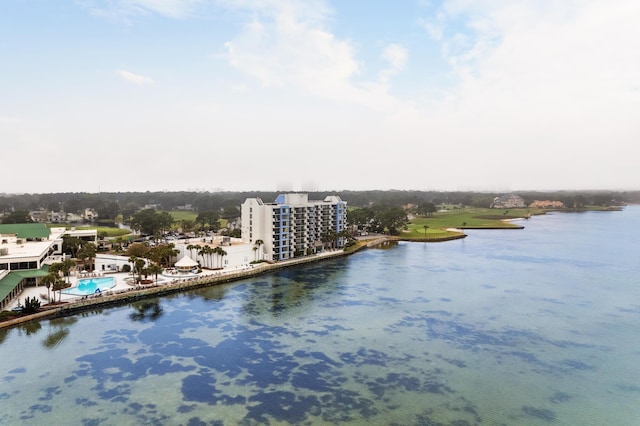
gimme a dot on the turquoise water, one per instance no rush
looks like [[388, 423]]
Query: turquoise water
[[519, 327], [87, 286]]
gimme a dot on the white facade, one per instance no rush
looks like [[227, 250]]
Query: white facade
[[238, 253], [293, 226]]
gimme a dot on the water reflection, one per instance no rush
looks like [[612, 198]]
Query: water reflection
[[146, 311], [60, 331], [452, 334], [30, 327]]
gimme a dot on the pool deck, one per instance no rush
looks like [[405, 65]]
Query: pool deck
[[120, 285]]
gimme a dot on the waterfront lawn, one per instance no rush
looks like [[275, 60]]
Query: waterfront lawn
[[415, 230], [476, 218]]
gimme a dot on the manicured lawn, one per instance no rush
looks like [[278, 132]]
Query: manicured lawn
[[181, 215], [464, 218], [111, 232]]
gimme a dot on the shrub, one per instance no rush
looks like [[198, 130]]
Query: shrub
[[31, 305]]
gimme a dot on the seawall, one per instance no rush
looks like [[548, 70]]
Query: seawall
[[113, 298]]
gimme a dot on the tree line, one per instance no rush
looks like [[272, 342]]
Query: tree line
[[111, 205]]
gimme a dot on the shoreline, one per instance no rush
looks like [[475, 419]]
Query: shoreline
[[134, 294]]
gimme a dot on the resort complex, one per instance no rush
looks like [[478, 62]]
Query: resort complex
[[291, 227]]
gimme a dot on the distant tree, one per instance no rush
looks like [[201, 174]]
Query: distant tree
[[426, 209], [86, 254], [208, 220], [361, 218], [163, 254], [187, 225], [579, 201], [150, 222], [230, 212], [18, 216], [108, 210], [393, 219], [74, 205], [71, 245], [137, 249]]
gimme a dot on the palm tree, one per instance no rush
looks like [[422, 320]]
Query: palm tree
[[87, 253], [425, 230], [139, 266], [132, 260], [66, 266], [220, 252], [48, 281], [155, 269], [205, 251], [55, 269], [58, 286], [258, 244], [192, 247]]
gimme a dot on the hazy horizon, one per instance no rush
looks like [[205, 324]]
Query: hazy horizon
[[210, 95]]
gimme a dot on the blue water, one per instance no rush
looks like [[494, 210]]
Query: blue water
[[87, 286], [519, 327]]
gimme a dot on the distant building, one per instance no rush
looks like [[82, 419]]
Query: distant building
[[547, 204], [508, 201], [89, 215], [293, 225]]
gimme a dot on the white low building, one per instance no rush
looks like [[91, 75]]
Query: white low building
[[26, 250]]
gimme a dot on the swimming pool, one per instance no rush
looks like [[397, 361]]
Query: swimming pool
[[88, 286]]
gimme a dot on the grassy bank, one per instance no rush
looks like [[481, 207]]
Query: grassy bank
[[438, 226]]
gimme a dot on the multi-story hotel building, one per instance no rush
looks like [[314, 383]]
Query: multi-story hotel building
[[293, 225]]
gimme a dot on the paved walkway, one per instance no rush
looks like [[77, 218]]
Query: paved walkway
[[121, 284]]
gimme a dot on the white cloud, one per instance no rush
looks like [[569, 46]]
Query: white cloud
[[123, 10], [396, 56], [134, 78], [287, 45]]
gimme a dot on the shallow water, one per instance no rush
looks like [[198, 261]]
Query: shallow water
[[536, 326]]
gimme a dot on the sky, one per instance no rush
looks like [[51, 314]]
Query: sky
[[271, 95]]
